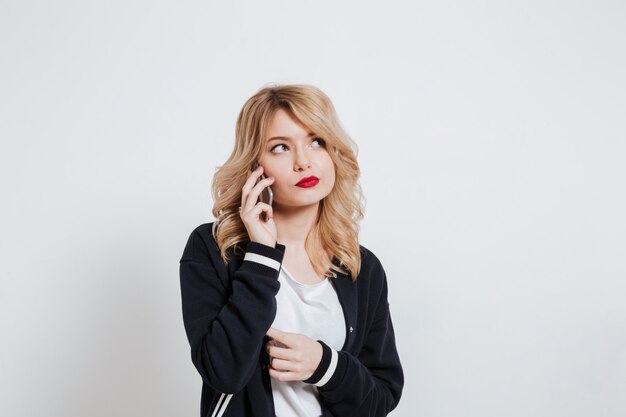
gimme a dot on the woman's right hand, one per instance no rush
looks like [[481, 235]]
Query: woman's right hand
[[259, 230]]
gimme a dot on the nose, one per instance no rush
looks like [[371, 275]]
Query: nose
[[302, 162]]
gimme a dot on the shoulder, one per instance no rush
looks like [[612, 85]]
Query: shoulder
[[201, 242], [204, 230], [369, 260], [372, 285], [372, 269]]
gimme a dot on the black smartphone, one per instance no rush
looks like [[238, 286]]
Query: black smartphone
[[266, 196]]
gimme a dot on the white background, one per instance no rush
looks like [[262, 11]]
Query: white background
[[492, 143]]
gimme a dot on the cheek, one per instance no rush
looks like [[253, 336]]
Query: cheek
[[331, 178], [281, 182], [330, 167]]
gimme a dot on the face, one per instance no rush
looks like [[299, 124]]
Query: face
[[292, 153]]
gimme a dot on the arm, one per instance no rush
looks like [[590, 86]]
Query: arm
[[369, 384], [225, 328]]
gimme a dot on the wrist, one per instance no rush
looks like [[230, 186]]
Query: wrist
[[326, 367], [258, 255]]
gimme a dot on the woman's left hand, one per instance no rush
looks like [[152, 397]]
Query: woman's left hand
[[294, 356]]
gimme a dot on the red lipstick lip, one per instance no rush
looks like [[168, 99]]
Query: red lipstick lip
[[308, 181]]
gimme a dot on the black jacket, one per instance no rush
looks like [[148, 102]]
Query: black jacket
[[228, 308]]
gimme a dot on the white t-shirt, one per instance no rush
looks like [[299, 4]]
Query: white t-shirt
[[313, 310]]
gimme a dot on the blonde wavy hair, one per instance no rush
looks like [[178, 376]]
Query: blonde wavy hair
[[335, 233]]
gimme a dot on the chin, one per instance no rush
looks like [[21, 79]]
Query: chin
[[299, 203]]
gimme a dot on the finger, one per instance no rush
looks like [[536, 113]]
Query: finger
[[282, 353], [250, 193], [253, 195], [286, 339], [274, 333], [283, 365], [249, 184], [283, 375], [260, 208]]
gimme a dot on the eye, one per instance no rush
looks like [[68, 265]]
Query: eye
[[280, 144], [320, 141]]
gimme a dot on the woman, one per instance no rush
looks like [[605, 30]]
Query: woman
[[285, 312]]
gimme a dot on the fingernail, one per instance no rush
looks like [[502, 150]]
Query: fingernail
[[270, 178]]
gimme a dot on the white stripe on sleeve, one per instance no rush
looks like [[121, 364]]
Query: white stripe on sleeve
[[255, 257], [334, 356], [225, 405]]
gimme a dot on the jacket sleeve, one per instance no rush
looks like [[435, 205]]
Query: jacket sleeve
[[225, 326], [369, 384]]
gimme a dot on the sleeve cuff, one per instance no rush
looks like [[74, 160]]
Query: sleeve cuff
[[259, 256], [326, 367]]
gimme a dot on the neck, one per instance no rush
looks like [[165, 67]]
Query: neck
[[293, 225]]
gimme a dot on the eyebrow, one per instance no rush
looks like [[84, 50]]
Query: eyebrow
[[287, 138]]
